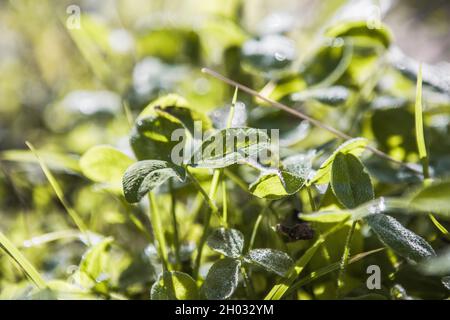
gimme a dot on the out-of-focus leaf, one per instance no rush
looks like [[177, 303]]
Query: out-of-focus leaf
[[68, 291], [152, 76], [220, 116], [144, 176], [55, 161], [272, 260], [332, 96], [392, 129], [354, 146], [434, 76], [231, 146], [93, 265], [328, 65], [222, 279], [228, 242], [401, 240], [104, 164], [434, 198], [300, 164], [170, 44], [176, 108], [360, 29], [350, 182], [174, 285], [439, 265], [277, 23], [269, 52]]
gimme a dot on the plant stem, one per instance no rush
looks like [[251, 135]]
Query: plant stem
[[155, 220], [224, 204], [248, 283], [213, 208], [256, 227], [344, 259], [176, 236], [22, 262], [311, 199], [303, 116], [205, 195]]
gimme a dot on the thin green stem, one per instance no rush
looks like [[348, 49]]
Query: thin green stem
[[344, 259], [248, 283], [311, 199], [256, 227], [205, 195], [224, 204], [207, 222], [176, 236], [155, 220]]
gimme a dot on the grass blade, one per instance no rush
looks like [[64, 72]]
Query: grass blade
[[22, 262], [58, 191], [421, 146], [280, 289], [328, 269]]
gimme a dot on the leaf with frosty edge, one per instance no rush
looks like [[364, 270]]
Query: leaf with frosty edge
[[272, 260], [228, 242], [222, 279], [144, 176]]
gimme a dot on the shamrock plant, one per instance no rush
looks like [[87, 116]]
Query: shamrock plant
[[222, 278]]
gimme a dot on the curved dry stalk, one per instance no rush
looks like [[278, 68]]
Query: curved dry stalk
[[303, 116]]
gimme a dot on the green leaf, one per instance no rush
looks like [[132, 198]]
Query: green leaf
[[174, 285], [350, 182], [228, 242], [104, 164], [401, 240], [144, 176], [300, 164], [276, 185], [360, 29], [433, 198], [231, 146], [271, 260], [91, 272], [177, 109], [354, 146], [151, 138], [170, 100], [222, 279]]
